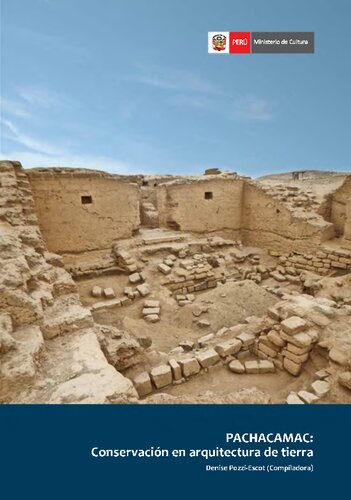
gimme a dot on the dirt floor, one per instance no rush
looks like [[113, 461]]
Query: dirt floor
[[224, 306]]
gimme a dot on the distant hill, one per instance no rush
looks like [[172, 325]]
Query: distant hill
[[306, 174], [321, 182]]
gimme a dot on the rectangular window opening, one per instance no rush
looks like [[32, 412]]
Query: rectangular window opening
[[208, 195], [86, 200]]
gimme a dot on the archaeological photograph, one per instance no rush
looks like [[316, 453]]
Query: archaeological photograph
[[175, 223]]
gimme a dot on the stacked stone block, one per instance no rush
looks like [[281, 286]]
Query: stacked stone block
[[192, 275], [322, 262], [288, 346]]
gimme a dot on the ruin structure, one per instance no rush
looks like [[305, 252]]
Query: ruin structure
[[168, 289]]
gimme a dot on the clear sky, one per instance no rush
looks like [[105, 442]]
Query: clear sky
[[128, 86]]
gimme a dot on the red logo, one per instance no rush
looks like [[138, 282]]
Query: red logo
[[239, 42]]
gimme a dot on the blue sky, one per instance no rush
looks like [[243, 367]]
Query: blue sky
[[128, 87]]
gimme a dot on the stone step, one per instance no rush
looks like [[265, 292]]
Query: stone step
[[163, 247], [152, 240]]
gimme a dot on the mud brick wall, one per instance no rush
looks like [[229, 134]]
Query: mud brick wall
[[338, 211], [81, 210], [269, 224], [201, 205]]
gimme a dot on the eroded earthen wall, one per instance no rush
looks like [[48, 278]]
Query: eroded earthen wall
[[338, 206], [83, 211], [202, 205], [267, 223], [347, 227]]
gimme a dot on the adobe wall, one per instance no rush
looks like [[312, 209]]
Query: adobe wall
[[267, 223], [67, 224], [347, 227], [184, 205], [338, 206]]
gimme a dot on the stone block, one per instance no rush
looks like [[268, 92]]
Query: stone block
[[152, 303], [276, 339], [212, 284], [278, 363], [142, 384], [131, 268], [293, 325], [125, 301], [292, 367], [313, 334], [182, 303], [261, 355], [187, 345], [293, 399], [207, 357], [273, 313], [186, 264], [164, 268], [344, 260], [161, 376], [150, 310], [128, 290], [246, 338], [109, 293], [204, 323], [252, 366], [222, 331], [180, 297], [339, 265], [277, 276], [345, 380], [143, 289], [300, 340], [169, 262], [228, 347], [190, 366], [265, 366], [320, 387], [299, 351], [134, 278], [96, 291], [267, 350], [152, 318], [108, 304], [236, 366], [299, 359], [308, 397], [205, 339], [200, 286], [321, 374], [176, 370]]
